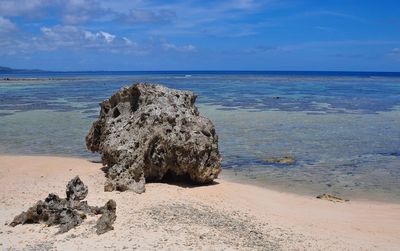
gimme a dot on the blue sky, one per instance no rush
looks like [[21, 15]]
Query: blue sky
[[200, 35]]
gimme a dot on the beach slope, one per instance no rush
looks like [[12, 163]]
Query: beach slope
[[224, 215]]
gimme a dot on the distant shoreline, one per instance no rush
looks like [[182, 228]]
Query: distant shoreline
[[274, 75], [8, 79], [38, 79], [5, 71]]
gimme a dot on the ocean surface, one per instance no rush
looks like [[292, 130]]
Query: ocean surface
[[342, 128]]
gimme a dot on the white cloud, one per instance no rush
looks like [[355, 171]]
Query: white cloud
[[140, 16], [6, 25], [89, 35], [128, 41], [100, 36], [106, 36], [74, 38], [262, 49], [81, 11], [68, 36], [185, 48], [68, 11], [73, 12], [188, 47], [21, 7], [239, 5], [182, 16], [395, 53]]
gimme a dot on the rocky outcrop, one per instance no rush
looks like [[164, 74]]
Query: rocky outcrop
[[69, 212], [150, 132]]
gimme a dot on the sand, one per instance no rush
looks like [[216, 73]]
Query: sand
[[222, 216]]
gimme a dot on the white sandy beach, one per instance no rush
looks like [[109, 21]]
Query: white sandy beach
[[223, 216]]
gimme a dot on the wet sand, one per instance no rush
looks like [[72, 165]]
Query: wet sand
[[224, 215]]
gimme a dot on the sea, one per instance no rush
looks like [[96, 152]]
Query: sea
[[341, 128]]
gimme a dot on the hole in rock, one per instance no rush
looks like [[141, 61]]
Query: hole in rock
[[116, 112], [206, 133]]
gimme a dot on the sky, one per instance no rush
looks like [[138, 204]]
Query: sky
[[81, 35]]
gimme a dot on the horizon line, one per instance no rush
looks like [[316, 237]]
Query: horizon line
[[16, 70]]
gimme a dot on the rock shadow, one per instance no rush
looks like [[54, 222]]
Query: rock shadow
[[183, 181]]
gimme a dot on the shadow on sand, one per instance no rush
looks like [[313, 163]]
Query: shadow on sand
[[170, 178]]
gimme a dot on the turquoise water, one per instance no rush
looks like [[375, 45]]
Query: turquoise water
[[342, 129]]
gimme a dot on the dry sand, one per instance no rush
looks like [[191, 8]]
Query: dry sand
[[223, 216]]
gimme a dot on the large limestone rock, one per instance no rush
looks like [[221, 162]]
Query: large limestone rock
[[150, 132]]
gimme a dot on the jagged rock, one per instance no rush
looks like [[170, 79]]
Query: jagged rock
[[53, 211], [150, 132], [76, 190], [69, 218], [66, 213], [106, 221], [331, 197]]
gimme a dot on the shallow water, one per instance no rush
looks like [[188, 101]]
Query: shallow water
[[343, 131]]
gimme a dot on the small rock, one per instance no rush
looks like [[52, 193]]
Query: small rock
[[109, 187], [72, 236], [286, 160], [76, 190], [331, 197], [66, 213], [107, 219]]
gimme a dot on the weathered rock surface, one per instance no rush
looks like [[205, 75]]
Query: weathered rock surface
[[106, 221], [150, 132], [69, 212], [76, 190]]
